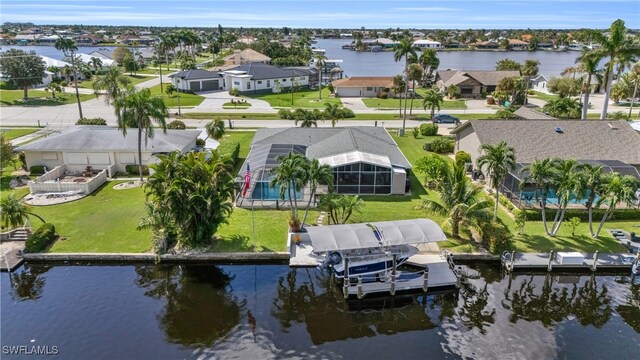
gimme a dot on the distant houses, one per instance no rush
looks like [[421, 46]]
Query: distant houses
[[241, 57], [473, 83], [365, 86]]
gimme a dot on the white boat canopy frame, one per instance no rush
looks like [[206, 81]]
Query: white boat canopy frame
[[374, 235]]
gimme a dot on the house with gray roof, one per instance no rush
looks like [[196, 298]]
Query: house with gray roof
[[196, 80], [472, 83], [365, 160], [103, 147]]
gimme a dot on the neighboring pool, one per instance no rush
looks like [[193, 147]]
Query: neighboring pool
[[264, 191], [552, 198]]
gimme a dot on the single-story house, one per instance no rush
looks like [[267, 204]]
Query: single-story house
[[103, 147], [365, 86], [384, 42], [474, 83], [516, 44], [196, 80], [609, 143], [427, 44], [86, 58], [102, 53], [49, 62], [365, 160], [486, 45], [246, 56], [540, 83], [48, 39], [528, 113]]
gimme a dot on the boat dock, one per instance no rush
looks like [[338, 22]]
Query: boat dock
[[301, 253], [11, 255], [566, 261]]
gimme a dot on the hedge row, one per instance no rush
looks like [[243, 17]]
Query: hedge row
[[41, 238], [176, 125], [583, 214], [440, 145], [37, 170], [135, 169], [429, 129], [229, 150], [92, 121]]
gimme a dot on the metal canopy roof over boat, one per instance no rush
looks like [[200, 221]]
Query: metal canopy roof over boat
[[373, 235]]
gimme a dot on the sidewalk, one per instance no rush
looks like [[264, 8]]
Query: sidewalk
[[29, 137]]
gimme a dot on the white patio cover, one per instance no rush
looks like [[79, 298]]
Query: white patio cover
[[361, 236]]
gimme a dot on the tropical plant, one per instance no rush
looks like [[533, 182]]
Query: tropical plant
[[529, 69], [617, 189], [138, 108], [317, 174], [566, 183], [215, 129], [429, 61], [505, 113], [14, 212], [176, 125], [170, 90], [453, 91], [434, 167], [589, 63], [592, 180], [6, 153], [22, 69], [515, 86], [69, 48], [96, 62], [415, 73], [307, 122], [462, 157], [405, 49], [497, 160], [320, 59], [341, 207], [460, 201], [539, 173], [622, 89], [432, 99], [507, 64], [574, 222], [563, 108], [634, 76], [398, 87], [290, 176], [113, 82], [53, 87]]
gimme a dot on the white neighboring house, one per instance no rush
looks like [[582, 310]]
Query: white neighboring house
[[255, 77], [196, 80], [540, 83], [427, 44], [86, 58], [103, 147], [48, 62]]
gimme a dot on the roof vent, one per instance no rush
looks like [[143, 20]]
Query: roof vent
[[612, 126], [559, 130]]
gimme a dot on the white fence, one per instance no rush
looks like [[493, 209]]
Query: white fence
[[48, 183]]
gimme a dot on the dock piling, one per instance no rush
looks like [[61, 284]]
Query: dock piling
[[594, 267], [345, 282], [360, 292], [513, 259], [550, 265], [425, 284], [392, 290]]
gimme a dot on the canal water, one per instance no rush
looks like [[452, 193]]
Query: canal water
[[272, 311]]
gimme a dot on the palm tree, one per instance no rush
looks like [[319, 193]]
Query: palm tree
[[415, 74], [432, 99], [320, 59], [460, 200], [398, 87], [140, 108], [616, 46], [69, 48], [618, 189], [497, 160], [529, 69], [332, 112], [405, 49], [317, 174], [290, 175], [96, 62], [634, 76], [430, 62], [170, 90], [113, 82], [566, 182], [591, 179], [563, 108], [307, 122], [14, 212], [539, 173], [589, 64], [160, 49], [215, 129]]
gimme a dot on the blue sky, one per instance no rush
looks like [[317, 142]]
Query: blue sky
[[454, 14]]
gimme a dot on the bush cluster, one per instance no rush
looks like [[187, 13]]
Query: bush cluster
[[382, 95], [440, 145], [497, 236], [463, 157], [229, 150], [200, 142], [315, 114], [41, 238], [134, 169], [37, 170], [416, 132], [234, 92], [429, 129], [92, 121], [177, 125], [7, 85]]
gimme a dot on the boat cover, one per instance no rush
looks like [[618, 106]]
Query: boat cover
[[365, 235]]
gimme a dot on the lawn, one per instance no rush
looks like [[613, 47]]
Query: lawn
[[39, 98], [274, 116], [14, 133], [155, 71], [417, 104], [301, 99], [543, 96], [172, 101], [135, 79]]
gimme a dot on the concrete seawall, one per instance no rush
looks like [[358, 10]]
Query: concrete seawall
[[212, 258]]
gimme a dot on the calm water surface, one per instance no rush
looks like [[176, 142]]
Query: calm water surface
[[264, 312]]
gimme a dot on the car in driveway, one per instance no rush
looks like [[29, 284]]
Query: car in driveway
[[445, 119]]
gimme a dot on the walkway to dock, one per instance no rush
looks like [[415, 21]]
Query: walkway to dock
[[567, 261]]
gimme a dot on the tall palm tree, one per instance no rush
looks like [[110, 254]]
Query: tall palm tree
[[69, 49], [160, 50], [113, 82], [405, 49], [415, 74], [398, 87], [589, 62], [529, 69], [618, 189], [96, 62], [460, 200], [634, 76], [215, 129], [14, 212], [320, 59], [432, 99], [539, 173], [616, 46], [497, 160], [566, 182], [430, 62], [316, 174], [592, 179], [290, 176], [140, 108]]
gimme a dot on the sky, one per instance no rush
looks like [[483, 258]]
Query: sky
[[423, 14]]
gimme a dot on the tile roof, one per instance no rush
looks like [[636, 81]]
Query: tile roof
[[249, 55], [578, 139], [365, 81], [485, 77]]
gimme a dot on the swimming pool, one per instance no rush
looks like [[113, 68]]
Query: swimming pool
[[552, 198], [264, 191]]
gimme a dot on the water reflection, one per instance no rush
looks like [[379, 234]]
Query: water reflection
[[28, 282], [630, 311], [200, 308]]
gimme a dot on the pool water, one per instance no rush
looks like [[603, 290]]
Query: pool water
[[552, 199]]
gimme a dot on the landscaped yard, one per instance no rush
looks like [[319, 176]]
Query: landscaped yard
[[135, 79], [186, 100], [301, 99], [39, 98], [543, 96], [14, 133], [417, 104], [359, 116], [236, 105], [155, 71]]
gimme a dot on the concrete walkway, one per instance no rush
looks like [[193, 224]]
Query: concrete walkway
[[29, 137], [213, 101]]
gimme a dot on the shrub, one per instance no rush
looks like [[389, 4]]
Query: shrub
[[415, 131], [463, 157], [382, 95], [429, 129], [520, 220], [41, 238], [497, 236], [434, 167], [618, 115], [200, 142], [92, 121], [347, 113], [37, 170], [531, 92], [504, 114], [176, 124], [491, 100], [331, 88], [135, 170], [229, 150], [64, 83], [285, 114], [7, 85], [453, 92], [234, 92], [440, 145]]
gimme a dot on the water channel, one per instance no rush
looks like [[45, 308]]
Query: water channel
[[272, 311]]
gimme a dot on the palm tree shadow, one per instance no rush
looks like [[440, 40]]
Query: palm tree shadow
[[237, 243]]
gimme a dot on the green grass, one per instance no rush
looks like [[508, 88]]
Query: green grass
[[235, 105], [135, 79], [14, 133], [172, 102], [417, 104], [301, 99], [545, 97], [39, 98], [274, 116], [154, 71]]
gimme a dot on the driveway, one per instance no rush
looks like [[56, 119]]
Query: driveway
[[213, 101]]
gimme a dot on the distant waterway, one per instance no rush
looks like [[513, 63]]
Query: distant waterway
[[51, 51], [382, 63], [272, 311]]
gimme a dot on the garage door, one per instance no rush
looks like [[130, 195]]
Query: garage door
[[348, 91], [194, 86], [209, 85]]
